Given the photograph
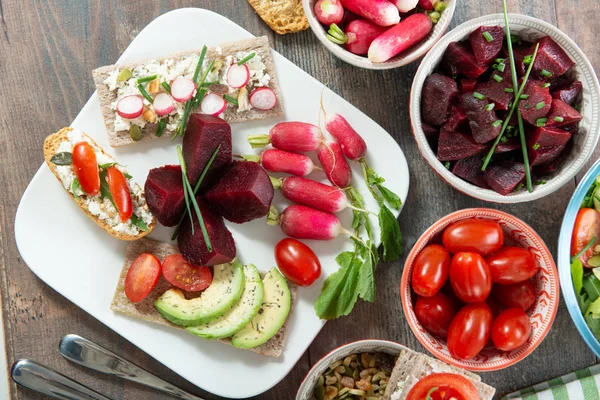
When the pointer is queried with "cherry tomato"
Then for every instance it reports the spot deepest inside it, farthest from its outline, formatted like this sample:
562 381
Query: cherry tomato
435 313
587 226
470 277
142 276
511 265
470 330
85 168
480 236
520 295
189 277
443 386
430 270
119 189
511 329
297 262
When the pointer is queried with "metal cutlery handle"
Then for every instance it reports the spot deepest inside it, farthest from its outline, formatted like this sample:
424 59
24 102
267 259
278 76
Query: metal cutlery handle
34 376
84 352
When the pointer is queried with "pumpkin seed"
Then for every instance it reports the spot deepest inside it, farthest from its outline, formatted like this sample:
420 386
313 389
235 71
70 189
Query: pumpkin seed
135 132
124 75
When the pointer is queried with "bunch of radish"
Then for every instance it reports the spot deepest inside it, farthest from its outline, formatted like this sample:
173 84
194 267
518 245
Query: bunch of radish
379 29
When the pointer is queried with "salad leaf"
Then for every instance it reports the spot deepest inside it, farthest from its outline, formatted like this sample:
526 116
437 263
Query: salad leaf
366 279
336 299
391 237
583 301
76 187
392 198
591 284
104 189
127 175
594 324
135 220
577 275
588 200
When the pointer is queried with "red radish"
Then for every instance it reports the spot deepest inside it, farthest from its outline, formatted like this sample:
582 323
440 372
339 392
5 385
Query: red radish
312 193
213 104
405 6
399 38
381 12
361 34
303 222
130 107
334 164
182 89
428 5
329 12
353 145
238 75
163 104
263 98
275 160
290 136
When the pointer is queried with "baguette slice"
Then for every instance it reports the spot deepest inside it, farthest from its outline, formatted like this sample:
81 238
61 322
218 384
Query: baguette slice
146 311
231 115
51 144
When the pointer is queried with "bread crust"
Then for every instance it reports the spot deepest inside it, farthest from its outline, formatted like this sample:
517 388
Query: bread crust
51 145
283 16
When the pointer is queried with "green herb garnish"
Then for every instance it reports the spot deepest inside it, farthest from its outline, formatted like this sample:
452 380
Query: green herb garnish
433 389
585 248
230 99
146 79
107 165
559 119
541 122
546 85
541 182
509 90
497 123
490 107
488 36
249 57
478 95
536 146
166 86
135 220
497 77
62 158
447 165
540 105
75 187
336 35
145 93
161 126
545 73
524 96
527 60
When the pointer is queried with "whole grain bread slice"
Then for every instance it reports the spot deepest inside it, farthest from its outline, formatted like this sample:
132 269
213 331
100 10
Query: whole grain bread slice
51 145
121 138
283 16
146 311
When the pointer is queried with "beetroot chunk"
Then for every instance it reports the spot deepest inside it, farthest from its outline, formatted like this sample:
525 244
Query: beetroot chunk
486 51
568 93
244 193
456 121
549 137
552 58
204 133
431 133
438 93
459 59
467 85
504 176
494 92
481 121
456 146
193 246
554 165
537 103
562 114
164 194
543 155
508 146
469 169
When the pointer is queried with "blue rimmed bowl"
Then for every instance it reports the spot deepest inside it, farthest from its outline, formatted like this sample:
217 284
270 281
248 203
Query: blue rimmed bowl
564 258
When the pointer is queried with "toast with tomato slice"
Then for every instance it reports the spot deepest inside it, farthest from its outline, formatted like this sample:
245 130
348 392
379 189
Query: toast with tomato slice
100 208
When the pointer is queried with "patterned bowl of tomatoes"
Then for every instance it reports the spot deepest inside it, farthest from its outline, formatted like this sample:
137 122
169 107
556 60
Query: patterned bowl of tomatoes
480 289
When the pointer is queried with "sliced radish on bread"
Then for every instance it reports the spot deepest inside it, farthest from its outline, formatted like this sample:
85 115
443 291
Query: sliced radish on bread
263 99
213 104
163 104
130 107
238 76
182 89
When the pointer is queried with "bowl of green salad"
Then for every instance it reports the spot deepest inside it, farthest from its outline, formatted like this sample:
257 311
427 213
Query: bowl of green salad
579 258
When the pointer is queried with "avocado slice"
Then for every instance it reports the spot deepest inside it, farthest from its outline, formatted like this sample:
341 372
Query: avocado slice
239 316
222 294
271 316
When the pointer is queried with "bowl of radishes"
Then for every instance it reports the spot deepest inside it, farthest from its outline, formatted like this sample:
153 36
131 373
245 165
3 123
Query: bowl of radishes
379 34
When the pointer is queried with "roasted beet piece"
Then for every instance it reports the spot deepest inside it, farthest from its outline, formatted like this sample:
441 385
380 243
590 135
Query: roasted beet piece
568 93
520 53
193 246
494 92
438 93
562 114
552 58
504 176
204 133
456 146
459 59
244 193
431 133
553 166
537 103
457 121
508 146
548 137
486 51
164 194
467 85
469 169
543 155
481 121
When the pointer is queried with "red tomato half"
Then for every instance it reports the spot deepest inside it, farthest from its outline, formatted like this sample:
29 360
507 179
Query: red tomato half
119 189
179 273
85 168
480 236
511 329
587 226
443 386
469 331
430 270
470 277
511 265
520 295
435 313
142 276
297 262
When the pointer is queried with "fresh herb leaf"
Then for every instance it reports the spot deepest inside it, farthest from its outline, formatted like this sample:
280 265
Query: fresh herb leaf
594 324
230 99
75 187
433 389
591 285
107 165
247 58
127 175
135 220
338 294
585 248
62 158
366 279
104 189
391 237
392 198
577 275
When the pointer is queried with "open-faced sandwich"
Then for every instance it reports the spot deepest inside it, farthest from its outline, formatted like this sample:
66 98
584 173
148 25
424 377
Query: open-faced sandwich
153 98
98 184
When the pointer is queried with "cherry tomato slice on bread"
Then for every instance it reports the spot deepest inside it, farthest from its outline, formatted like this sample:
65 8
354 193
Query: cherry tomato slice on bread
430 270
480 236
180 273
142 277
297 262
587 227
511 265
511 329
443 386
119 190
85 168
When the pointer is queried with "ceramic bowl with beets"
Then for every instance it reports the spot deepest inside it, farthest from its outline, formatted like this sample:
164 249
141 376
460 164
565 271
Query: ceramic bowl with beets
466 120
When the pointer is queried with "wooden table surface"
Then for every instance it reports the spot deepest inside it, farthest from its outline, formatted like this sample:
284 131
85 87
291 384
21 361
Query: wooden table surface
47 52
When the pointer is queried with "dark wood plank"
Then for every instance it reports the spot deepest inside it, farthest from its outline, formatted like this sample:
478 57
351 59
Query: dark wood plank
55 44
